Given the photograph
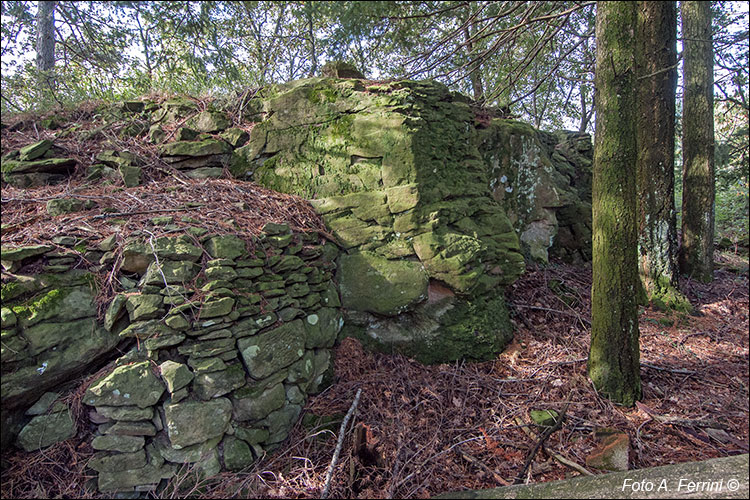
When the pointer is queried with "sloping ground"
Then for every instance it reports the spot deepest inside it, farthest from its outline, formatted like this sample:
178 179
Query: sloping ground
425 430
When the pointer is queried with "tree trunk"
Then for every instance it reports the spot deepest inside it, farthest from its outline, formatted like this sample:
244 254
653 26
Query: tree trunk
696 253
614 364
656 59
45 36
475 71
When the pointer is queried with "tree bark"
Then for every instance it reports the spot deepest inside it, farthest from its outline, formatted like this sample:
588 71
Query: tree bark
45 36
656 59
696 252
614 355
45 53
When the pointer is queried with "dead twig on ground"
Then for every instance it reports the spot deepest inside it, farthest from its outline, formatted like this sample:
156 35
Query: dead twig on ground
340 443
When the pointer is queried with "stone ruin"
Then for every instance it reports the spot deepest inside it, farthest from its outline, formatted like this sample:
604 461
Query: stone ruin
433 212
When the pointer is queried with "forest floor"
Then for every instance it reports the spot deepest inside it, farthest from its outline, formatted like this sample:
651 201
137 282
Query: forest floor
423 430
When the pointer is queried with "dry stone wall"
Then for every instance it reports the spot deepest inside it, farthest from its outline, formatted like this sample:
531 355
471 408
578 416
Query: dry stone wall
231 338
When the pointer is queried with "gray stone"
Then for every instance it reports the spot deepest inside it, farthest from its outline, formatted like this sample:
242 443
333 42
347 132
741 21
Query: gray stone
128 479
251 435
148 329
200 365
126 413
46 430
215 384
187 454
143 428
127 385
116 462
237 453
142 307
210 122
208 348
322 327
163 340
170 273
175 375
271 351
192 422
8 318
115 311
252 404
43 404
280 422
125 444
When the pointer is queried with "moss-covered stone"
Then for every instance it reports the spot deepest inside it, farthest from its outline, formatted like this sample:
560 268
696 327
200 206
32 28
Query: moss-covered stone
213 384
253 403
226 247
217 308
175 375
116 462
322 327
126 480
60 206
273 350
34 151
131 429
142 307
199 148
371 283
45 430
126 413
192 422
127 385
209 121
237 453
169 273
124 444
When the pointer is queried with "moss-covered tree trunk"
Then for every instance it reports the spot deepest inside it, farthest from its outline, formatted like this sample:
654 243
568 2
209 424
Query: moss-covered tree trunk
696 252
656 58
613 363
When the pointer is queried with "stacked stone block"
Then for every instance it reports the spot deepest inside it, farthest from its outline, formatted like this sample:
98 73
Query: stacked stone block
229 352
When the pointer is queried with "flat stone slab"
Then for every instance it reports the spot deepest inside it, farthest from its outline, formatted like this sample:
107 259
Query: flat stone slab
725 477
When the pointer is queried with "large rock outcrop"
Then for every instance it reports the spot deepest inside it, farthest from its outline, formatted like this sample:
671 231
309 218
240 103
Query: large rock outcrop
543 181
395 173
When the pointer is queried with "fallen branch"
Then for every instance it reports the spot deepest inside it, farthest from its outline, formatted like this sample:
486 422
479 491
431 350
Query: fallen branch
339 444
540 443
566 313
670 370
141 212
500 479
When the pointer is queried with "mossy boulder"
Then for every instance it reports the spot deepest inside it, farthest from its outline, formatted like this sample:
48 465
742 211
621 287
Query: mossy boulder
60 206
543 180
34 151
389 167
374 284
209 122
